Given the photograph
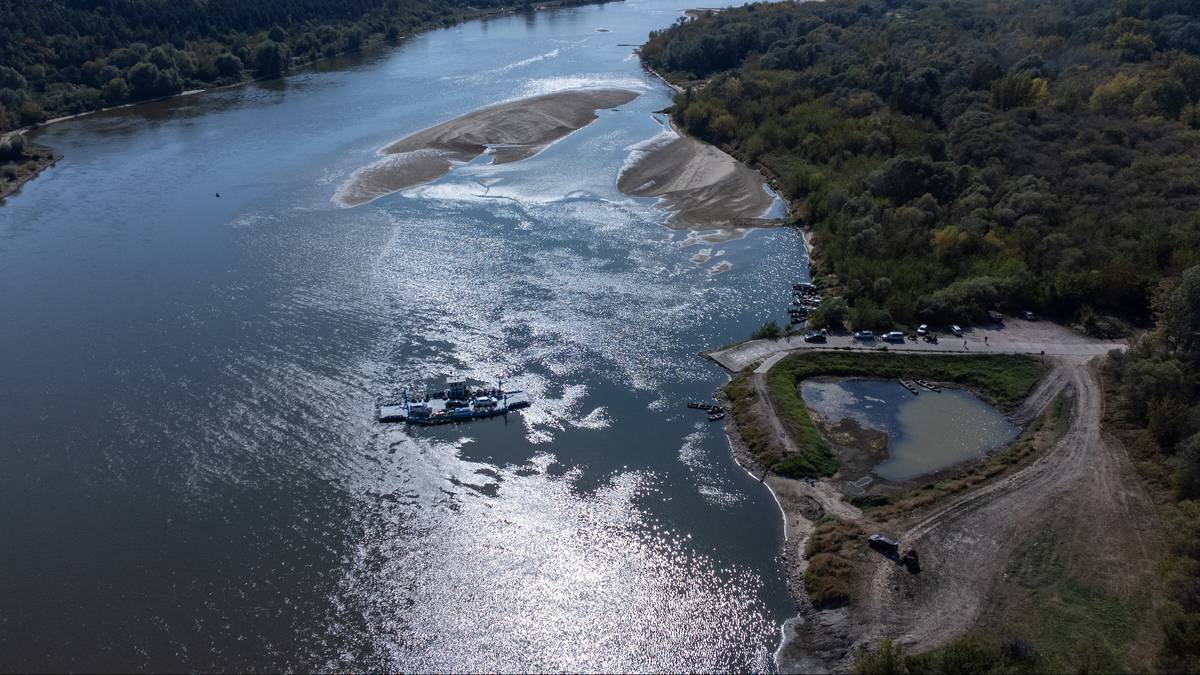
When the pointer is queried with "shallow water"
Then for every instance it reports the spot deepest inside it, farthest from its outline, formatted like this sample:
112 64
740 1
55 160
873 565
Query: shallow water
926 433
193 479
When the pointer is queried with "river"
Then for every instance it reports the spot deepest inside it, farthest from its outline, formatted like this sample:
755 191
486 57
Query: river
192 475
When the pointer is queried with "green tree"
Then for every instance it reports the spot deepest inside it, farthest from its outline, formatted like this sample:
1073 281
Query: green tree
831 313
115 91
228 65
31 113
143 78
1017 90
1179 315
270 59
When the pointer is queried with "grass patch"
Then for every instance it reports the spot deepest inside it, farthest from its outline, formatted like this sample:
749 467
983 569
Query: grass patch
1005 379
1059 621
815 457
832 575
969 654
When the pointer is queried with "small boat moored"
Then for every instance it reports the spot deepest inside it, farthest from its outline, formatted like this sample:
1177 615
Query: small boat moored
930 387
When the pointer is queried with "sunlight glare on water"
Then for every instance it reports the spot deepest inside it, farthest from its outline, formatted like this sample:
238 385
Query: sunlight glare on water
221 477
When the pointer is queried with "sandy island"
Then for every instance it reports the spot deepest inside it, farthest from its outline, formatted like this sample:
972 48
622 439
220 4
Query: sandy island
510 131
699 184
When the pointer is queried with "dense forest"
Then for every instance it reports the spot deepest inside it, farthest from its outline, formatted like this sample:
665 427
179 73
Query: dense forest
59 57
957 156
1156 401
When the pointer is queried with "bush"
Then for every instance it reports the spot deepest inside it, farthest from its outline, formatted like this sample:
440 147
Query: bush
12 148
866 315
831 313
969 656
885 659
769 330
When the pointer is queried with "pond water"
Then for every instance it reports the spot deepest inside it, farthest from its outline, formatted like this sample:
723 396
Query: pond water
193 476
926 433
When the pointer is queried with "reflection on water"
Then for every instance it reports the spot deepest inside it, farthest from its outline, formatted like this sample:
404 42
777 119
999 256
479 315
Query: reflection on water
926 433
192 472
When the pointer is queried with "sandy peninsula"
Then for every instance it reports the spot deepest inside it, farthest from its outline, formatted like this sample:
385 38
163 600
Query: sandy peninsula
509 131
700 185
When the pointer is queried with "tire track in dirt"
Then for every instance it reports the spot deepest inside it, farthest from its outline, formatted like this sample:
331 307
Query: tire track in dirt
965 546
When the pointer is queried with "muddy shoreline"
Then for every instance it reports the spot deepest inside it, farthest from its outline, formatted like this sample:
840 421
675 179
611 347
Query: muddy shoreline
815 640
697 183
30 170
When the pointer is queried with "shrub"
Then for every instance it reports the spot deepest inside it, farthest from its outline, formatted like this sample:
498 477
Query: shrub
769 330
885 659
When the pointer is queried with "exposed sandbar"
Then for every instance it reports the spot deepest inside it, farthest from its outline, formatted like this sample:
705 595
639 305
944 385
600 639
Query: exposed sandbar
696 182
512 131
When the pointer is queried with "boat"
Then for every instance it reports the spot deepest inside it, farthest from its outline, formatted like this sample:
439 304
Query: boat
698 405
457 403
909 386
714 416
930 387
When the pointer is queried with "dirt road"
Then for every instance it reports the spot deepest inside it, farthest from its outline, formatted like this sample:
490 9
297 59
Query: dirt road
1015 337
1082 486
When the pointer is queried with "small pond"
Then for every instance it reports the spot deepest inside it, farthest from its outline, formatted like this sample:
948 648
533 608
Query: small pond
926 433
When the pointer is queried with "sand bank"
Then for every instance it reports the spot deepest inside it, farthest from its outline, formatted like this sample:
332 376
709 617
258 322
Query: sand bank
696 182
509 131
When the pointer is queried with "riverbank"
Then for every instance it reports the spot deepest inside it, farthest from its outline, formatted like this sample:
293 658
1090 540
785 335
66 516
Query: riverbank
373 41
823 634
699 184
15 175
509 131
850 598
825 557
795 208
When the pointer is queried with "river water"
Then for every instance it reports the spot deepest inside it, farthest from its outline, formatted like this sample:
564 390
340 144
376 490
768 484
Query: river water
192 475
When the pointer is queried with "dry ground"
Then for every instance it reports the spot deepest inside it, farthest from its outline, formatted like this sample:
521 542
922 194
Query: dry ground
1081 495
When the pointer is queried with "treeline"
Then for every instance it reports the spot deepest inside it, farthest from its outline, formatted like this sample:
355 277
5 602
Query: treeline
1156 399
60 57
956 157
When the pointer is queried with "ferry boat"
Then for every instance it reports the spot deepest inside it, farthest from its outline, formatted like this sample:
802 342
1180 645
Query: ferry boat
456 403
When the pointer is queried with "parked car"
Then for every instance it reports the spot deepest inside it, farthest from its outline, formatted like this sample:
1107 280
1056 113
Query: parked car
995 316
956 329
814 336
1030 316
864 335
923 330
893 336
882 543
